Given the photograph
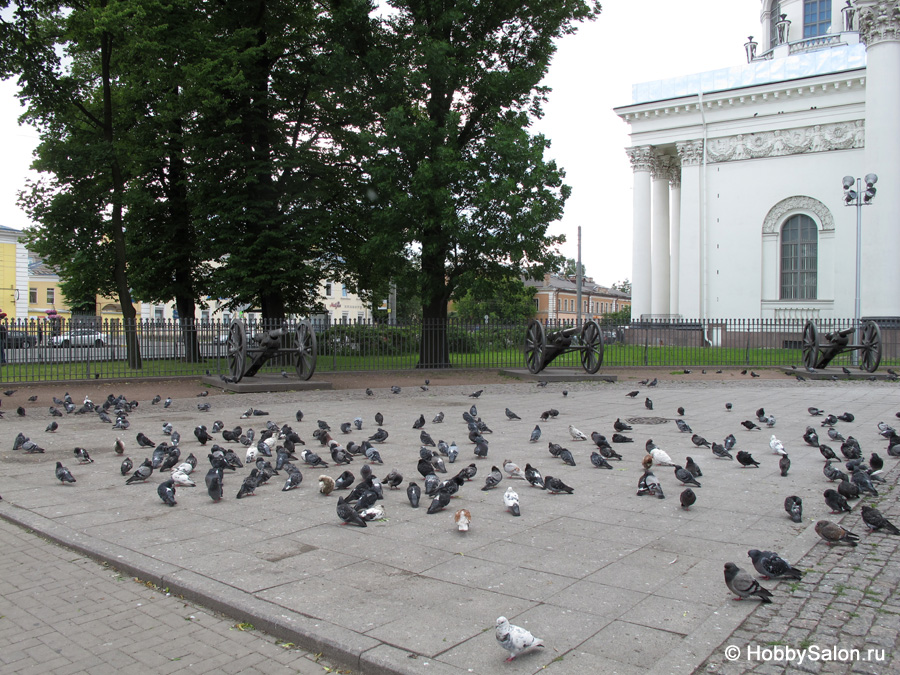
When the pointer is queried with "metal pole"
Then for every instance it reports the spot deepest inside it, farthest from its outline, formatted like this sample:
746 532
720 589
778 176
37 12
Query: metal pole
578 280
854 357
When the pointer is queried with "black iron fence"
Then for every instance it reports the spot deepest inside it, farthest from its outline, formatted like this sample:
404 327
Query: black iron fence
89 348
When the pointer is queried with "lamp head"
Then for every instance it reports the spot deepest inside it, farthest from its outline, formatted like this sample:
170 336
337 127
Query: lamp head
848 182
871 179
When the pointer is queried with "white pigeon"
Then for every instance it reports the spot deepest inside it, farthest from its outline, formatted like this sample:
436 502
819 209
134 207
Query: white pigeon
661 457
577 435
513 469
511 499
777 446
515 639
270 442
375 512
251 455
184 467
182 479
463 518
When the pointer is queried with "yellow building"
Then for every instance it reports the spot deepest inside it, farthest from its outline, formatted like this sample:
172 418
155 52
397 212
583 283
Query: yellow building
556 298
13 274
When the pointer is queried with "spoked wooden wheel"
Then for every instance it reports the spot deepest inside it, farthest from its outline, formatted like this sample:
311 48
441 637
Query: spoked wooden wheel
591 347
810 345
535 346
305 350
237 349
870 347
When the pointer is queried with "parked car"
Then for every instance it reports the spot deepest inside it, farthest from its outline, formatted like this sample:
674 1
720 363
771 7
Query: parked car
80 337
16 339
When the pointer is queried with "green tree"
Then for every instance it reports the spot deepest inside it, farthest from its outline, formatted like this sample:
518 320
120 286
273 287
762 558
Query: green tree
569 268
457 176
504 301
624 286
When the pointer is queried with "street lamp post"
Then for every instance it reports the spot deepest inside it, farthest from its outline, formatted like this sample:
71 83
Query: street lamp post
858 198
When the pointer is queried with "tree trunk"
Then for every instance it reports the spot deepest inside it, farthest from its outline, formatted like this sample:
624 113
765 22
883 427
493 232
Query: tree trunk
129 314
188 325
434 349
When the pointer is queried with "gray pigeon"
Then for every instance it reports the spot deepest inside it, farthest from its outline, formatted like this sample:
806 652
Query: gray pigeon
493 478
166 492
685 476
743 585
794 506
772 566
63 474
874 520
535 434
511 415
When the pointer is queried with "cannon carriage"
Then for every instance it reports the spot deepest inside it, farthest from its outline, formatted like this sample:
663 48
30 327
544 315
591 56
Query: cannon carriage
543 346
247 354
817 356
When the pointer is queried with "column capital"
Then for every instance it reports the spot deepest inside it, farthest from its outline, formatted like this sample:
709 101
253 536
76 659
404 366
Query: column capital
690 152
641 157
878 20
661 166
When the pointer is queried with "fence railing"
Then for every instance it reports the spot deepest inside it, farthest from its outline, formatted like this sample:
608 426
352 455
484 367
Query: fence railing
32 351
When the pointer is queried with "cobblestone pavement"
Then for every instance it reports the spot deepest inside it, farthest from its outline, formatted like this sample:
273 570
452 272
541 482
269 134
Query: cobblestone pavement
845 612
62 612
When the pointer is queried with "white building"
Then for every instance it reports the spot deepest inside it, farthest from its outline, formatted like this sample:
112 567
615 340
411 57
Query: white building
738 200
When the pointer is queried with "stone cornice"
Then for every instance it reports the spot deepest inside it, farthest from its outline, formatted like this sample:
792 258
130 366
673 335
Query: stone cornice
816 138
691 152
879 21
776 214
641 157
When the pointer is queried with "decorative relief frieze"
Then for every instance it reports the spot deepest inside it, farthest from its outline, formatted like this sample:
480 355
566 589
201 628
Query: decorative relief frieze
879 21
818 138
691 152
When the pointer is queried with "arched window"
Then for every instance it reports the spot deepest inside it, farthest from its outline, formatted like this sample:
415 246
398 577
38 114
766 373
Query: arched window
816 17
774 16
799 258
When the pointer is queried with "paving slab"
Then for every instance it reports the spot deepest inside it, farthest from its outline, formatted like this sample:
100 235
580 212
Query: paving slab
604 576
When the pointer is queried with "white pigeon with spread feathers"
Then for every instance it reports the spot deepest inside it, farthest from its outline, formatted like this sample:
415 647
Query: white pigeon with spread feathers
777 446
576 434
661 457
515 639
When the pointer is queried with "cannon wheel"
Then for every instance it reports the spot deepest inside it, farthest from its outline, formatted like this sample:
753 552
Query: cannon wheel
237 349
870 346
810 345
591 347
535 346
305 347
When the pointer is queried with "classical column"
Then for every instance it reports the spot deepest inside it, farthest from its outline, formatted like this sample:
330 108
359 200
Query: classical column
689 267
640 262
674 232
659 244
879 28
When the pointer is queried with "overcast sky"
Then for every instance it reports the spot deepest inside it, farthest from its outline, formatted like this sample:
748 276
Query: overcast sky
632 41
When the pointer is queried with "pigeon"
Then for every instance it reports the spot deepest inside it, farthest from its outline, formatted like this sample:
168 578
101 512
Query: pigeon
730 442
53 426
576 434
83 456
683 427
749 425
476 394
167 403
874 520
777 446
772 566
348 514
326 485
815 412
794 506
829 421
126 466
369 392
746 459
699 441
680 411
493 479
533 476
832 473
827 452
833 533
380 436
693 467
144 442
510 415
619 425
619 438
214 484
468 472
555 486
599 461
688 498
156 399
462 518
566 457
848 490
419 423
440 502
685 476
728 407
166 492
413 493
835 435
515 639
661 457
535 434
426 439
511 500
63 474
836 502
142 473
54 412
743 585
864 482
438 419
632 394
784 464
512 469
251 482
648 404
20 411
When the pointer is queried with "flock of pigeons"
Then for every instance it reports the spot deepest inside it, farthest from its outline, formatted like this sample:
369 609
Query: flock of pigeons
279 450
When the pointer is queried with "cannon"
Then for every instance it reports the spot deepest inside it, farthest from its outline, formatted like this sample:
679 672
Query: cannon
246 355
542 346
817 355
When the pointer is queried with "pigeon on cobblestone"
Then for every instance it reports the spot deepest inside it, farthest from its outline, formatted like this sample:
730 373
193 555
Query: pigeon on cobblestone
772 566
743 585
515 639
833 533
874 520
